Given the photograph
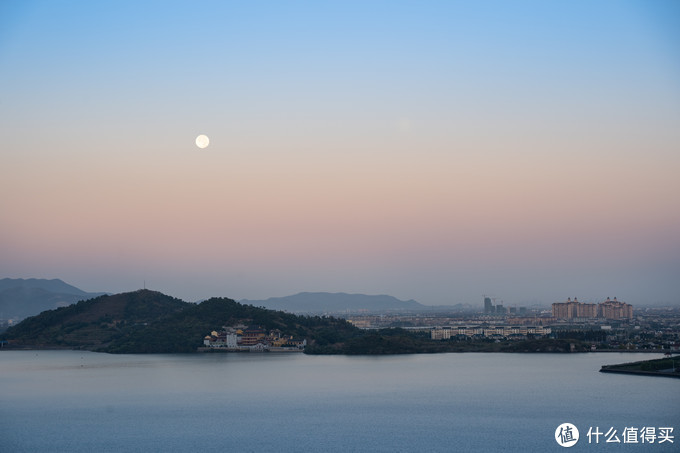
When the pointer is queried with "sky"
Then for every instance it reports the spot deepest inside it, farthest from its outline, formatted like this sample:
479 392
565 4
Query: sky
429 150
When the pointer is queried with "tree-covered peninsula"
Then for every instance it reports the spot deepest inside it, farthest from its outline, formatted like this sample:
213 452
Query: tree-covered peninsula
151 322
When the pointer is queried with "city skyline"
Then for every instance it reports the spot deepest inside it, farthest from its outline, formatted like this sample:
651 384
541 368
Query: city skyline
434 151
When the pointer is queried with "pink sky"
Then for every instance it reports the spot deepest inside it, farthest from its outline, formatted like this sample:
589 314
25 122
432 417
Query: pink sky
430 161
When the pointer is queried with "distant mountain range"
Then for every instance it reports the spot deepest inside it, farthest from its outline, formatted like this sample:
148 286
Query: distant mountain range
335 303
21 298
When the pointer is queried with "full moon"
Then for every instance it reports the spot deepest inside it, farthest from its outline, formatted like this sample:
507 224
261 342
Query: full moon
202 141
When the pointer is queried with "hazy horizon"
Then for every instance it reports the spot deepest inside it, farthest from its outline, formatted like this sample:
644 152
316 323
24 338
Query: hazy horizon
434 151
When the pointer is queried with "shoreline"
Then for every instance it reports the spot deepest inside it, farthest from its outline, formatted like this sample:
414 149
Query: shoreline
664 367
203 350
606 369
270 349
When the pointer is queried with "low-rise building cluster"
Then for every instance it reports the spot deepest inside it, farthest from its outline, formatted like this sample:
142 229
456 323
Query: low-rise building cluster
252 338
494 332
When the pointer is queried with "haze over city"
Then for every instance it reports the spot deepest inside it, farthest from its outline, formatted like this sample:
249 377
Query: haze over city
434 151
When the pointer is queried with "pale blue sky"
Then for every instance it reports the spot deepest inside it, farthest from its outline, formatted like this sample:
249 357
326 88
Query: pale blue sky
428 150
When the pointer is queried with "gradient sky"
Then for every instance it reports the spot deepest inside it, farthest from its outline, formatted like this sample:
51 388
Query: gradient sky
429 150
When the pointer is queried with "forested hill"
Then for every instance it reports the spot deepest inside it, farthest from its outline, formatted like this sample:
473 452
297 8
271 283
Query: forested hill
95 323
151 322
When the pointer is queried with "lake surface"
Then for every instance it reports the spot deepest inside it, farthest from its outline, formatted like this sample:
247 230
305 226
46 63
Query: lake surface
74 401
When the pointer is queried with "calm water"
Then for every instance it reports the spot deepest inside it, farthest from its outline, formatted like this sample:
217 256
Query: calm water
78 401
